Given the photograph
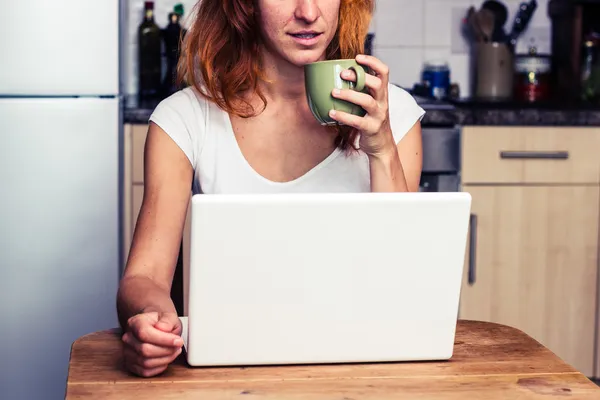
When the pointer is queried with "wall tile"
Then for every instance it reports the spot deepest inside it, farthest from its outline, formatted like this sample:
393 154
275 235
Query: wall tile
399 23
436 54
460 73
405 64
407 33
438 20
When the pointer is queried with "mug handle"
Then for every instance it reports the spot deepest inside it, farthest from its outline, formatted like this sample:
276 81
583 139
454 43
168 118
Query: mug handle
360 77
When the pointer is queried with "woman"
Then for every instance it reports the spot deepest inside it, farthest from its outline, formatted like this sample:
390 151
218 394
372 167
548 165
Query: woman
244 125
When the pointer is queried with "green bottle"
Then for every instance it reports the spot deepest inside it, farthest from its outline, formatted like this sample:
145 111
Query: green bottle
173 36
149 55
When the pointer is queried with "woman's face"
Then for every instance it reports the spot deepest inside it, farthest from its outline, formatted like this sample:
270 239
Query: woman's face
298 31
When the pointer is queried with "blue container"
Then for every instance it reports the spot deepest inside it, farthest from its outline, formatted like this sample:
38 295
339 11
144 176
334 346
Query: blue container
436 79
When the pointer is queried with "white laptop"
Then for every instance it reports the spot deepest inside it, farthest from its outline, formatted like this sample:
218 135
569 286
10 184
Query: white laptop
324 278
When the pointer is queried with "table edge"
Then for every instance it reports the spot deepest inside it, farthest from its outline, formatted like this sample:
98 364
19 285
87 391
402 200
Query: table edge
118 331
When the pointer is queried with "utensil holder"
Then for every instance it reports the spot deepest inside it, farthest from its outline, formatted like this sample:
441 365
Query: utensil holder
494 71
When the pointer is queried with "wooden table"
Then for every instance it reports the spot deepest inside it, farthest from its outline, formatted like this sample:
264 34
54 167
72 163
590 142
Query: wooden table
490 361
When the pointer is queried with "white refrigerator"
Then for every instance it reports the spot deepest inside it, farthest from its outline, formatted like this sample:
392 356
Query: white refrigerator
60 173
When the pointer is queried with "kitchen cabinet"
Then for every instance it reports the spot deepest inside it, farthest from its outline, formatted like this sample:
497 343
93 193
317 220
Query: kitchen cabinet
532 255
133 194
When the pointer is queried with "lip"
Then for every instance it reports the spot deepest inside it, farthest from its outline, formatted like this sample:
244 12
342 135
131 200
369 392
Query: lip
306 41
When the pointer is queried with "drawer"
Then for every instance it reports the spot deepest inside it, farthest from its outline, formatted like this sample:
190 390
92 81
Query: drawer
535 155
138 140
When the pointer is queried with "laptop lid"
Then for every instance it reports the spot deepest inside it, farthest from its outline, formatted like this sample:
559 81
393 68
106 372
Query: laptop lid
325 278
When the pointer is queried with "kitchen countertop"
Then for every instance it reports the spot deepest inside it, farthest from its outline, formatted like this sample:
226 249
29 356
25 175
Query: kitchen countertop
471 112
135 112
461 112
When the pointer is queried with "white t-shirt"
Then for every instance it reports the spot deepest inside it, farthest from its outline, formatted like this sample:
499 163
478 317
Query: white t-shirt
204 133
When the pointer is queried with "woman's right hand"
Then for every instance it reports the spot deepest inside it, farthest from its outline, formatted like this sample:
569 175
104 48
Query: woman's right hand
151 342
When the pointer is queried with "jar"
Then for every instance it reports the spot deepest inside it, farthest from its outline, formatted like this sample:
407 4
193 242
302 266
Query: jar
532 77
436 79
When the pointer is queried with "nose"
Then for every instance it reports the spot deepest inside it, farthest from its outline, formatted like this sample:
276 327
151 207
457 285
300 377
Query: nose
307 11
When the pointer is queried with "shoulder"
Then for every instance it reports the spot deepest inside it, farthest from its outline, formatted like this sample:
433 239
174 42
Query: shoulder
404 111
399 96
181 116
182 102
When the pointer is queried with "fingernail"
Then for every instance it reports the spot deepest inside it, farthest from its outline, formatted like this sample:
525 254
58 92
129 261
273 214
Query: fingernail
332 113
360 57
177 342
336 92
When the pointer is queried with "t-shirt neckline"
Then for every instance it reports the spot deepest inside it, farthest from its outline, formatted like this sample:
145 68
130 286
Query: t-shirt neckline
231 135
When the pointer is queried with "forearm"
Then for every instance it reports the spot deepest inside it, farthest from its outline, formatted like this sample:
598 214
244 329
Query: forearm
387 174
140 294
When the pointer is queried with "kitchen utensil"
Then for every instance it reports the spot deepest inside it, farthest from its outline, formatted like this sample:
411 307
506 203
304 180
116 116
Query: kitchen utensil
473 25
500 16
522 19
485 20
499 10
494 71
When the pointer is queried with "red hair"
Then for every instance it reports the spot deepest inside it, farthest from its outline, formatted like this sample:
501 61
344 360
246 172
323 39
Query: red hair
220 55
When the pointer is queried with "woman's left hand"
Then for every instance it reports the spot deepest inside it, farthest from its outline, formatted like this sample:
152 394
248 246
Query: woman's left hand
376 137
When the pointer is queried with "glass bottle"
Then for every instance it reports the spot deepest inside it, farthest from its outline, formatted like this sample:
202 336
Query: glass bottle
590 69
149 55
173 36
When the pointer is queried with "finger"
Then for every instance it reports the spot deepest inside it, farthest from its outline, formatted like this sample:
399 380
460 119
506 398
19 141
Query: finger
146 366
376 65
169 322
372 82
133 364
152 363
360 123
146 333
364 100
147 350
349 75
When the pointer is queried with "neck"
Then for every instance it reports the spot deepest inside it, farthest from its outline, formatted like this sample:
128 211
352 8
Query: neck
284 79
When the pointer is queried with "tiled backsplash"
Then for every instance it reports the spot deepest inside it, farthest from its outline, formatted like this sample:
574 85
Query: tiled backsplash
407 34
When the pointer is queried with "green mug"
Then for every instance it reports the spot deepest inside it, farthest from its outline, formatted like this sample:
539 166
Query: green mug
320 78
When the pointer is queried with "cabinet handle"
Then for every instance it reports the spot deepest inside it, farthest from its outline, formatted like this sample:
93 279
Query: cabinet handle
535 155
472 248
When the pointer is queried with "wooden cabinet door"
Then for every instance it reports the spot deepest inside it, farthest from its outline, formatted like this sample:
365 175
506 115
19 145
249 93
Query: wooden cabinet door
534 265
137 197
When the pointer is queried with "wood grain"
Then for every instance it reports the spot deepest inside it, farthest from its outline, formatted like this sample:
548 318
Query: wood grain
482 146
490 387
139 133
490 360
127 190
536 265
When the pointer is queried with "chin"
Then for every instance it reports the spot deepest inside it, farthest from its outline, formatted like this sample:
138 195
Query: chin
301 58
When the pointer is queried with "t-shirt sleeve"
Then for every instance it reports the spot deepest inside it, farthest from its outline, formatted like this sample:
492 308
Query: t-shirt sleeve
403 110
180 116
